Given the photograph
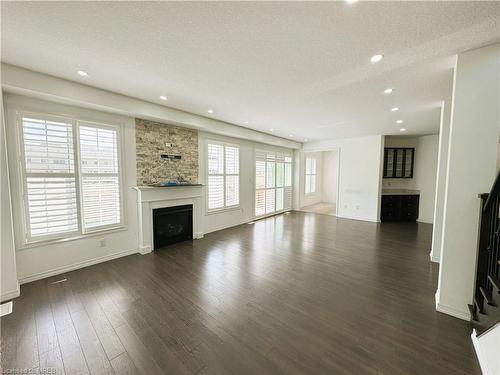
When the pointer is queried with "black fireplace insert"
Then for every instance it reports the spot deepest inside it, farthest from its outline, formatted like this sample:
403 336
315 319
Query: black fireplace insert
172 225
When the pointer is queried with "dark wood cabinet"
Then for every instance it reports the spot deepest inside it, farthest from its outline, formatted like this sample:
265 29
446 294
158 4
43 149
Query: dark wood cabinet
399 207
398 162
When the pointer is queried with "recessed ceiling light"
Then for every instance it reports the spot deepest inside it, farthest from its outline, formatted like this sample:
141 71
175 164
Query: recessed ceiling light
402 130
376 58
388 91
245 122
290 135
399 121
351 1
163 97
82 73
305 139
210 111
271 130
395 109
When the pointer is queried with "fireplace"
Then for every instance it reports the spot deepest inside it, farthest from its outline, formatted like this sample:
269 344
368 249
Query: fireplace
172 225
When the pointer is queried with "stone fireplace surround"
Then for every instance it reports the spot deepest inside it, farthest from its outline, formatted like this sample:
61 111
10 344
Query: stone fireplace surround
150 198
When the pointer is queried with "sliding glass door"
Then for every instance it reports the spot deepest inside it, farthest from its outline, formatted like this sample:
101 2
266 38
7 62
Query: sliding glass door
273 182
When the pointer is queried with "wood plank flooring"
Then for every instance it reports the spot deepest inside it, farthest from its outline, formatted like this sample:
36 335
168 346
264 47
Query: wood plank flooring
301 293
321 208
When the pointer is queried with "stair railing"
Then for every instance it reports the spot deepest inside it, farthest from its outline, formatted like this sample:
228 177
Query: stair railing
488 255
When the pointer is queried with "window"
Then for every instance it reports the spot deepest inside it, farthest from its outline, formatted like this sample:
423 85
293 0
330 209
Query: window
70 176
273 182
223 176
310 182
100 178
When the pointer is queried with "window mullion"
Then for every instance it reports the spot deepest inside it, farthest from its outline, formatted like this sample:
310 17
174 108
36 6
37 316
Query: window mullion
78 184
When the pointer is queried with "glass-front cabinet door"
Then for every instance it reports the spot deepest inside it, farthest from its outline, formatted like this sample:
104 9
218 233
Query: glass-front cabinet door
398 162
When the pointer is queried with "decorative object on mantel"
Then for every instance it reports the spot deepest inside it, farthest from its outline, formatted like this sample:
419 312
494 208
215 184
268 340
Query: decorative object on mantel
165 153
170 157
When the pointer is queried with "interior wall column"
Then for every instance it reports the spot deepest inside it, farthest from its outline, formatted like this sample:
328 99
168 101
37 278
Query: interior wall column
471 168
9 282
444 136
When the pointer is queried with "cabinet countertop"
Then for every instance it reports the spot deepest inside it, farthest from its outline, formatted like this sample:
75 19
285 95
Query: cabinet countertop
400 192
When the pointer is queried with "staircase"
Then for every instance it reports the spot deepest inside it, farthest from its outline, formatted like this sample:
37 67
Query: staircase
485 309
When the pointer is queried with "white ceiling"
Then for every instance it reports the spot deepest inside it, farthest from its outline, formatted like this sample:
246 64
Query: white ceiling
301 68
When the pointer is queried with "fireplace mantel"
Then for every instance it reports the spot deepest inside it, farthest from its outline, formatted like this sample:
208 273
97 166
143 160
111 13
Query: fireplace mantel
151 197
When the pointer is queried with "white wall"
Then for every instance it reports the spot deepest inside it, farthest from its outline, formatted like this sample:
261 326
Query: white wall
487 349
311 198
62 96
213 221
360 175
45 260
401 183
424 172
444 135
472 155
330 177
27 82
9 283
425 175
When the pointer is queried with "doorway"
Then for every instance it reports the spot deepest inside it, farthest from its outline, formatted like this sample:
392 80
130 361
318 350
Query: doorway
319 182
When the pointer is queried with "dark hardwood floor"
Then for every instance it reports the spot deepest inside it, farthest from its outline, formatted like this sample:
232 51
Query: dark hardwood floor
295 294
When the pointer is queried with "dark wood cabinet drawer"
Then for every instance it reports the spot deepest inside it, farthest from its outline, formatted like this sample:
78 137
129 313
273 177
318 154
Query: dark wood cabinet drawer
399 207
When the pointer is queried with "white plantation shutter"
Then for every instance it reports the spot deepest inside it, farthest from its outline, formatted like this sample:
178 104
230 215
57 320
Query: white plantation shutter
273 182
215 192
310 180
215 159
260 202
232 189
61 199
50 180
279 199
232 162
100 178
223 176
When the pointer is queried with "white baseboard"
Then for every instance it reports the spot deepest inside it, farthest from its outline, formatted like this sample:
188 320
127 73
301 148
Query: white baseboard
74 266
460 314
480 357
359 218
487 348
434 259
145 250
11 294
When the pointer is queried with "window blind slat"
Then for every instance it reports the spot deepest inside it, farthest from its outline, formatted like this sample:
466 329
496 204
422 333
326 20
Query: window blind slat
49 177
273 182
215 192
52 201
61 205
223 175
100 181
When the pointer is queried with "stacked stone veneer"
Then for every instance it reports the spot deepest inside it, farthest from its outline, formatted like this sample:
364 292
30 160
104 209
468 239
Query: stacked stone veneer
151 139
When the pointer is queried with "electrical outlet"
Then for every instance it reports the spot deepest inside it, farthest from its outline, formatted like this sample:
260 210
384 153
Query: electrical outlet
168 144
102 243
357 207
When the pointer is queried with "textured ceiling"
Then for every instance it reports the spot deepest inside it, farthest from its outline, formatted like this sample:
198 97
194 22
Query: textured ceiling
301 68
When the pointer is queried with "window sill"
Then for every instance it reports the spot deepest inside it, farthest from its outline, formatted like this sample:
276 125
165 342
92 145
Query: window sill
222 210
52 241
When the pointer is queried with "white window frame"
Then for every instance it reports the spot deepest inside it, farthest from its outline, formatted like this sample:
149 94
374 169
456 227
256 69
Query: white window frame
275 160
116 128
311 175
224 174
27 241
